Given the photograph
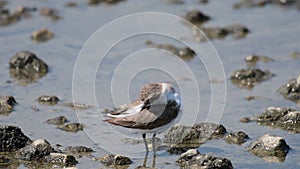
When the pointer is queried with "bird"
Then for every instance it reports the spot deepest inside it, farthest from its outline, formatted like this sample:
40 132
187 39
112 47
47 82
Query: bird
157 108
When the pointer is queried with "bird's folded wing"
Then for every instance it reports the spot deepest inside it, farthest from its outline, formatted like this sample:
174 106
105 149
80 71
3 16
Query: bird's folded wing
127 110
138 120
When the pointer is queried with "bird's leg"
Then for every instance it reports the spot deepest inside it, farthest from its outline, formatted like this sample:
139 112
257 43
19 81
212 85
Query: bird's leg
147 150
154 151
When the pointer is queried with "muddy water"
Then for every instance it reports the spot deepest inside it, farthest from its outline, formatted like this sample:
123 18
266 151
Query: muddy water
273 32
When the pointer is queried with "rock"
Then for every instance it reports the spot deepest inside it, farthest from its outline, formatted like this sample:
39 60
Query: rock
25 67
71 4
41 152
249 98
179 149
193 159
8 161
42 35
61 159
203 1
12 138
77 106
50 13
96 2
245 120
186 156
203 34
252 60
4 162
142 167
295 55
180 138
71 127
262 3
60 120
284 118
23 12
35 151
237 31
3 3
248 78
291 90
175 2
7 17
196 17
178 133
112 160
107 159
121 160
184 53
186 136
79 150
239 137
210 130
7 104
49 100
269 146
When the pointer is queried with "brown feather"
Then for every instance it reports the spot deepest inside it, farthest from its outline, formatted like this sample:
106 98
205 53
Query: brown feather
146 119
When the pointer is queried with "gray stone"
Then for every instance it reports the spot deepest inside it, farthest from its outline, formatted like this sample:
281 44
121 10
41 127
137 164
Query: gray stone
197 134
8 17
25 67
42 35
291 90
121 160
12 138
189 154
248 78
185 53
238 137
252 60
107 159
180 138
41 152
37 150
270 146
113 160
50 13
71 127
48 100
196 17
60 120
203 34
262 3
7 104
109 2
237 31
61 159
77 106
193 159
284 118
79 150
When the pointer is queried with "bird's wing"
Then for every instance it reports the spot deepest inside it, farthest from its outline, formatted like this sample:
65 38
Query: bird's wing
146 119
137 120
128 110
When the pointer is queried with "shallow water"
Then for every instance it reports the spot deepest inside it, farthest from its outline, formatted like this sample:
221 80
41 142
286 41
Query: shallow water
273 32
